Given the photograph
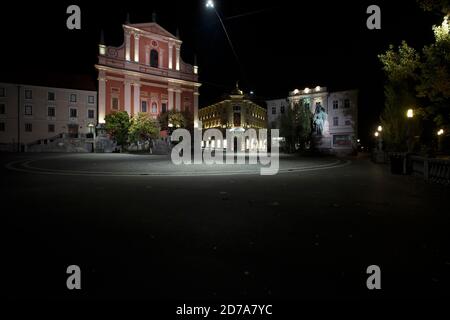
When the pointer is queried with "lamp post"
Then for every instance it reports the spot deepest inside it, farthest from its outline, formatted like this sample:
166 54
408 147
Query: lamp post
440 133
409 116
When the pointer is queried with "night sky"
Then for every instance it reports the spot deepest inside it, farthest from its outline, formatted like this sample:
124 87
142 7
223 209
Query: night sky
281 45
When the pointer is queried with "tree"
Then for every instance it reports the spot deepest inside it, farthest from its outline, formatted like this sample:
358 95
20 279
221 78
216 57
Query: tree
401 68
418 81
143 127
296 126
117 125
288 128
175 118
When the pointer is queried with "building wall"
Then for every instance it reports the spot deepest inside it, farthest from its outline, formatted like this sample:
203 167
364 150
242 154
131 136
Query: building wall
275 108
39 118
340 130
343 107
129 68
223 114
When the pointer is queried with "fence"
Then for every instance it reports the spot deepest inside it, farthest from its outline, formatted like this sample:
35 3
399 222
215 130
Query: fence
435 170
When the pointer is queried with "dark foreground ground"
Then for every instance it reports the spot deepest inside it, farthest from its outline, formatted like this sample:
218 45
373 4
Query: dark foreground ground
296 235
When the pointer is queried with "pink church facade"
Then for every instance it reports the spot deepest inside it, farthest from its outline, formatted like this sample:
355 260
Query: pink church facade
146 74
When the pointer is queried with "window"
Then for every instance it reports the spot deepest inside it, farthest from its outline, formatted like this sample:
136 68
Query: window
73 97
154 107
50 96
73 113
164 107
346 103
91 114
336 121
335 104
2 126
2 108
51 112
282 109
342 140
143 106
28 127
28 110
51 128
28 94
115 103
2 92
274 110
348 123
91 99
237 108
154 58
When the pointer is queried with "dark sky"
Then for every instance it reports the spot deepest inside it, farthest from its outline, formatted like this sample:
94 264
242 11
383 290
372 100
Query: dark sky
281 45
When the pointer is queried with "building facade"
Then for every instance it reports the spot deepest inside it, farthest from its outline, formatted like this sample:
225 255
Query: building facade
235 114
146 74
275 108
31 113
334 116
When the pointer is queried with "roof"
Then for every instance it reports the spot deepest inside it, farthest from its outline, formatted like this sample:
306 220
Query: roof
152 27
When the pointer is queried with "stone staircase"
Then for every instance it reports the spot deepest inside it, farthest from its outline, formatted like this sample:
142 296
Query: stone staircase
62 143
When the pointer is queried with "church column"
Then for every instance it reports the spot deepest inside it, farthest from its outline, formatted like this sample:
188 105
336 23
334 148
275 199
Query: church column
170 55
137 97
127 46
196 94
178 58
128 96
136 47
170 92
178 100
101 97
161 58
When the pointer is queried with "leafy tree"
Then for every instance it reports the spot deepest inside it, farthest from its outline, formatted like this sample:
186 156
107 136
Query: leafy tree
435 77
175 118
143 127
288 128
117 125
296 126
401 68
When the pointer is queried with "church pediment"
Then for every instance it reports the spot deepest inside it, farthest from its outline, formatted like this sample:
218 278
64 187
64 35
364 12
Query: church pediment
154 28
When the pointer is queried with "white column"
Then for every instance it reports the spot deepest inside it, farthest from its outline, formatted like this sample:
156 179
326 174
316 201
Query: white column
128 96
170 55
161 58
147 55
137 97
101 97
170 92
196 94
178 58
127 46
136 47
178 100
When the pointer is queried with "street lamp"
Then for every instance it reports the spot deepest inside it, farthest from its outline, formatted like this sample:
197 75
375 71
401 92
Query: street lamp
380 128
376 134
410 113
210 4
440 132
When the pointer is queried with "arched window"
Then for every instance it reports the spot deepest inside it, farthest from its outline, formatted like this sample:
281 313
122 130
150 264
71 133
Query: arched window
154 58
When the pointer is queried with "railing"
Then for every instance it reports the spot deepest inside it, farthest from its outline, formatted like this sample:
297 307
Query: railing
186 71
435 170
